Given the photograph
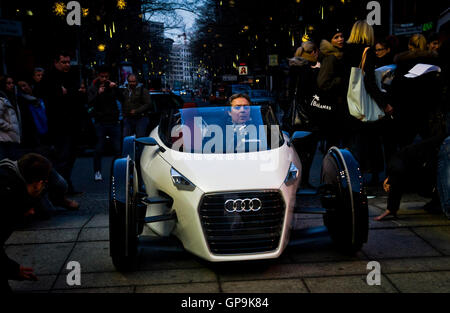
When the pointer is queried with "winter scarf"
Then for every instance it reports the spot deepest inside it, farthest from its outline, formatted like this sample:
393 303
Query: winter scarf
326 48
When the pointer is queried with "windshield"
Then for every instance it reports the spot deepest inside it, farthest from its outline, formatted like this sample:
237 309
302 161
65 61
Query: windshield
218 130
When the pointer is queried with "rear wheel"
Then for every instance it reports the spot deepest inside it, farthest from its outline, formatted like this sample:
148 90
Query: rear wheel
122 215
346 204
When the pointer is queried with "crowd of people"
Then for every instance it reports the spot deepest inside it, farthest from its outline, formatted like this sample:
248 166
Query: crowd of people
35 117
405 141
42 121
42 117
51 111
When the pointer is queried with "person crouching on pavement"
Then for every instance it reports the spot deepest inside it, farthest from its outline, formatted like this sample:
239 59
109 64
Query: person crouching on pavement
21 183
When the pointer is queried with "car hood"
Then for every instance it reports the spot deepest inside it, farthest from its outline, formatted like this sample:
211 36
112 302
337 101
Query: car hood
227 172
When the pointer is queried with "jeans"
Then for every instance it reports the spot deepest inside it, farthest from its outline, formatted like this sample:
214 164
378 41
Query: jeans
103 130
65 155
135 126
443 176
55 193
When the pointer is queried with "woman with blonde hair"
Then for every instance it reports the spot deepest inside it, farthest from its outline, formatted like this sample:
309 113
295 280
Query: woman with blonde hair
417 42
361 38
417 53
362 33
365 141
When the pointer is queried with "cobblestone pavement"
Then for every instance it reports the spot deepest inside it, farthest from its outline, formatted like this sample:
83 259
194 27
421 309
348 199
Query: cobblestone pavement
413 251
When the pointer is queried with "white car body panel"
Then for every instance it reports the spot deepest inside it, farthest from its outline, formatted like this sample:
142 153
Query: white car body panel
255 171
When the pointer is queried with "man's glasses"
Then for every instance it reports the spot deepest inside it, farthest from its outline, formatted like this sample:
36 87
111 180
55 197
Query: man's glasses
380 49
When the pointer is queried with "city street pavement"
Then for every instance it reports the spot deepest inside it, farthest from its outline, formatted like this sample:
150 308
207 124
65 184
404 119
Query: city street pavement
413 251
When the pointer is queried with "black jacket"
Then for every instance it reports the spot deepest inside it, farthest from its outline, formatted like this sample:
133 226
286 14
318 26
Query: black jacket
417 101
408 59
15 202
38 89
302 80
332 80
388 59
105 110
64 112
302 84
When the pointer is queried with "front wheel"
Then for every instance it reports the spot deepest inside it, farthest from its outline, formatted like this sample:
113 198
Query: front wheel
342 195
122 215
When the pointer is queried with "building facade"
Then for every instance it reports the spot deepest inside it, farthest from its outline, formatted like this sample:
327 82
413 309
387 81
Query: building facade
183 73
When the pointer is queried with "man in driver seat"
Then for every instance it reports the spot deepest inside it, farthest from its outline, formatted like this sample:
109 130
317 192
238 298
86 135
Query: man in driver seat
240 108
240 117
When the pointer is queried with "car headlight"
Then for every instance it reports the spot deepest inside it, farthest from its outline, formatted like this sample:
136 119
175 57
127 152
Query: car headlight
179 180
292 173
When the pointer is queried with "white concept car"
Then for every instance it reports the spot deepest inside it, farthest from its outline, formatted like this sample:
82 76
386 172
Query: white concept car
227 191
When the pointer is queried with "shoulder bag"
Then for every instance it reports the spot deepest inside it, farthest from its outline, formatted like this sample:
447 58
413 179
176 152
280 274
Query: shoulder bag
360 104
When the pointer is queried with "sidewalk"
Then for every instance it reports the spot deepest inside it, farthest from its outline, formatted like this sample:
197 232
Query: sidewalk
413 250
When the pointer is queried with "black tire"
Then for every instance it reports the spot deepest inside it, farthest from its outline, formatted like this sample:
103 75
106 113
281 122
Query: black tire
342 195
122 215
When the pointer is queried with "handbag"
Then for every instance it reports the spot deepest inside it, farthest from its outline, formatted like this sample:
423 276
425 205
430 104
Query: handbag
318 108
360 104
299 117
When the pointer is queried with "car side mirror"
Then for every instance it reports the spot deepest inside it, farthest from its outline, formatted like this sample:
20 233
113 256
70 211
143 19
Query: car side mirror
149 141
299 136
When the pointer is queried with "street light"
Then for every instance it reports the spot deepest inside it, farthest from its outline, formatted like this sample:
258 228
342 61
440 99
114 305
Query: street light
121 4
101 47
59 8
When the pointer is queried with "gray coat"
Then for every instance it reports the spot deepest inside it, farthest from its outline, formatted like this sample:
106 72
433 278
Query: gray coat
9 121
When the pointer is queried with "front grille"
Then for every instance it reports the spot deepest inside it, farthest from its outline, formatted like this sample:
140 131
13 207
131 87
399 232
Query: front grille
242 232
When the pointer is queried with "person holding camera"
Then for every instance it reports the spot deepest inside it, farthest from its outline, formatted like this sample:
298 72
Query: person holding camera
102 98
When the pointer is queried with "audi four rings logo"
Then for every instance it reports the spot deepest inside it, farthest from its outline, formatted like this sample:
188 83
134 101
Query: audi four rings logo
243 205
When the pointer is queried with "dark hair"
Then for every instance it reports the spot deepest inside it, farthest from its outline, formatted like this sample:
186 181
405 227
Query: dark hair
384 42
393 43
3 80
60 53
239 95
329 30
34 167
432 37
131 74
